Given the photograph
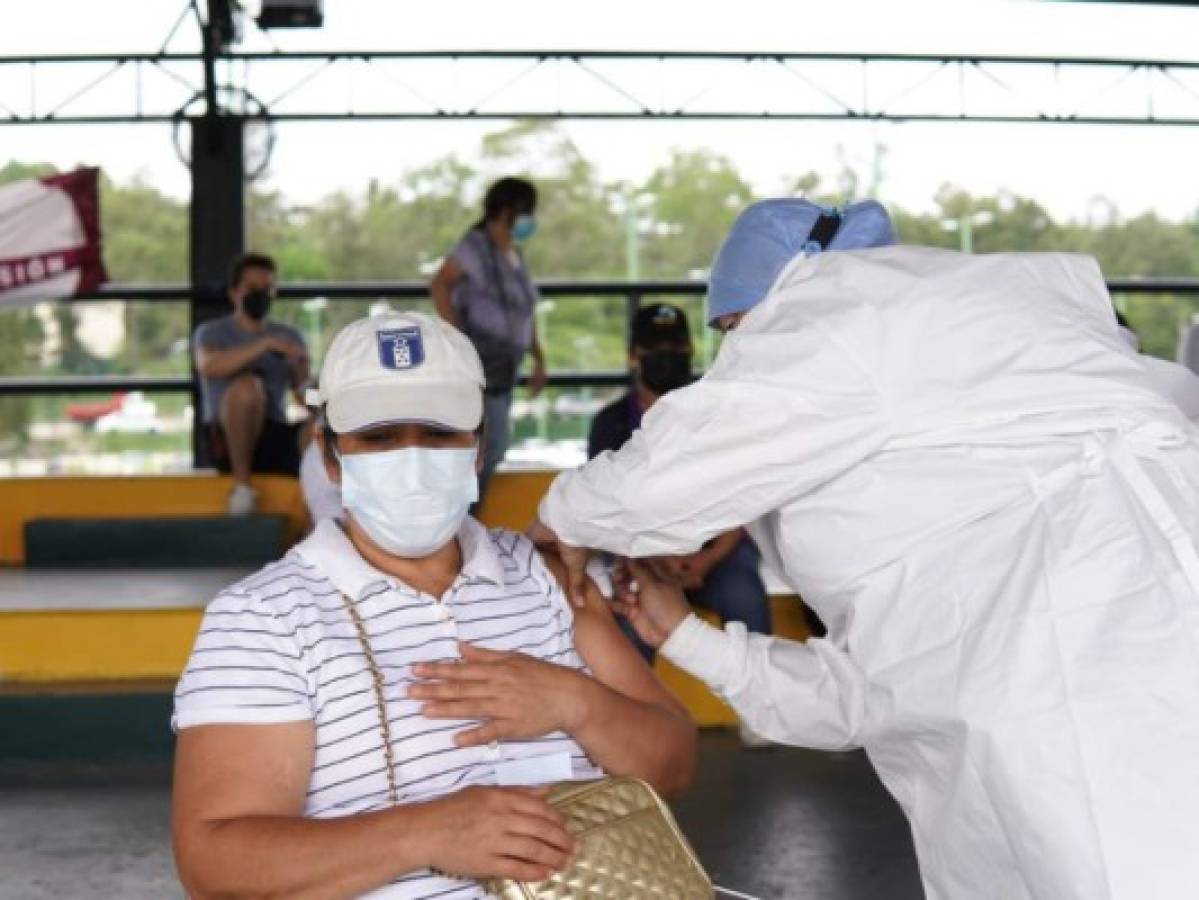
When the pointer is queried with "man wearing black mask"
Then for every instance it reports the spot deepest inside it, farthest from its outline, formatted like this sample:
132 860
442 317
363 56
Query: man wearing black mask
722 576
247 366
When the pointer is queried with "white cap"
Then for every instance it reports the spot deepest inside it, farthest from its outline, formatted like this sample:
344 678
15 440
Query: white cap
401 367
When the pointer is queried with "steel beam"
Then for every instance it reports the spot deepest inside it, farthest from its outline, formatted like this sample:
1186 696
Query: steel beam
597 85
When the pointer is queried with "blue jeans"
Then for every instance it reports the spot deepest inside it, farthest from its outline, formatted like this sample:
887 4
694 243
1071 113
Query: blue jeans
733 590
497 409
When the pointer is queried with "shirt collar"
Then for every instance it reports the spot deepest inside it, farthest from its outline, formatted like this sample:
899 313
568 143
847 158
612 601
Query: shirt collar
331 551
479 558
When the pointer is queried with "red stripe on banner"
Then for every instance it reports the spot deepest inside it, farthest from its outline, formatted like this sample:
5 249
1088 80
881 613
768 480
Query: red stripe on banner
83 188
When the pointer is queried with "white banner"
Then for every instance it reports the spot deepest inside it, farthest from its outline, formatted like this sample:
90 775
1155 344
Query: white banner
50 238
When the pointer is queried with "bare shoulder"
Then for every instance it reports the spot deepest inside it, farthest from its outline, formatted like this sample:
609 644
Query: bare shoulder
235 768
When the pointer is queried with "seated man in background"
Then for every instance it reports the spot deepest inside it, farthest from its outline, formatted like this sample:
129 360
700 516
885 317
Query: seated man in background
723 576
248 365
369 713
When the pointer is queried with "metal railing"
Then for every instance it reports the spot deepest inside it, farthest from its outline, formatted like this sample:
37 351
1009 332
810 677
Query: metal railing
633 293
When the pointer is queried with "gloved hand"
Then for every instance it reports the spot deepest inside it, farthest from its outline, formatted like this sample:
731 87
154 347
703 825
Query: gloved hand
653 606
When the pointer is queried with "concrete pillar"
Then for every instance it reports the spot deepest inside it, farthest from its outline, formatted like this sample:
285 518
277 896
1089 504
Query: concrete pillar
218 229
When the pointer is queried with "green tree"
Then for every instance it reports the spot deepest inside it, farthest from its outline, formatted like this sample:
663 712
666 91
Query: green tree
695 198
145 242
21 337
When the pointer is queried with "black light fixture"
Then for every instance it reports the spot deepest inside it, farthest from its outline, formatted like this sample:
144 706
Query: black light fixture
224 17
291 14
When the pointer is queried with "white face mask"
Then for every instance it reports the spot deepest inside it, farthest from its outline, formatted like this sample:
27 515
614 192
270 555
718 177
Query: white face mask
412 501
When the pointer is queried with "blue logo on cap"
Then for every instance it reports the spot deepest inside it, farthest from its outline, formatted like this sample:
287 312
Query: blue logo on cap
401 348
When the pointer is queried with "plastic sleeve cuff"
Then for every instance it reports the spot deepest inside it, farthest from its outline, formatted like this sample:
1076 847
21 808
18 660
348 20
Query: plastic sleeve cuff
700 649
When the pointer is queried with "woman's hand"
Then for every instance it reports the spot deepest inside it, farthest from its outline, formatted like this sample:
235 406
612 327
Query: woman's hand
654 606
493 832
515 695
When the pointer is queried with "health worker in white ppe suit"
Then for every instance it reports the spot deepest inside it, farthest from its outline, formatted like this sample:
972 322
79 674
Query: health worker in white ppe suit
959 464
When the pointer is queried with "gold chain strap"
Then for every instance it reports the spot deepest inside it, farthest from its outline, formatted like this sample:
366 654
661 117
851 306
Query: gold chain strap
377 678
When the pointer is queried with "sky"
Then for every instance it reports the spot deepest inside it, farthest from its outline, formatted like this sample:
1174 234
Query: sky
1065 167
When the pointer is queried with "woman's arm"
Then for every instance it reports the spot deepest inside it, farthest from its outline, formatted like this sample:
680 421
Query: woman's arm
630 723
440 288
215 363
540 374
238 831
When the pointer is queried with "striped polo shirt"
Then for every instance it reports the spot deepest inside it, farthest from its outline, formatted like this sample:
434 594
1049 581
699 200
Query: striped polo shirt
280 646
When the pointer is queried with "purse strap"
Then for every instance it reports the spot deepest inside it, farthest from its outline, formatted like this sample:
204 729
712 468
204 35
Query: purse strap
380 701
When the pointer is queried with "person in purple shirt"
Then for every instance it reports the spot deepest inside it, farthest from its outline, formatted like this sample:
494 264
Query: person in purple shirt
484 289
722 576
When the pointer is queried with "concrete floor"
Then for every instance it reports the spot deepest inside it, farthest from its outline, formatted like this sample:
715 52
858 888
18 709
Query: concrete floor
774 824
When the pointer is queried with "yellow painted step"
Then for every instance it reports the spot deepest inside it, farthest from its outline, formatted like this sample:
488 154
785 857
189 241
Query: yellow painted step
511 502
64 646
96 645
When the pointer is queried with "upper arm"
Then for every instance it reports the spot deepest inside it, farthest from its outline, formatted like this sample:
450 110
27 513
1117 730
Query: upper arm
608 653
447 273
202 347
227 771
203 357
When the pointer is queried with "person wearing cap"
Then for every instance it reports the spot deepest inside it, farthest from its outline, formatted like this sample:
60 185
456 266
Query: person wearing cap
484 288
957 462
723 575
372 714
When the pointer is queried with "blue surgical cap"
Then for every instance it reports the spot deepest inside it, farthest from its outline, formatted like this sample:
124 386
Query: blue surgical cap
771 233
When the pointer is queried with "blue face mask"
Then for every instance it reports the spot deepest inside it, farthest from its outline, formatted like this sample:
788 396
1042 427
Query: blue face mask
524 227
411 502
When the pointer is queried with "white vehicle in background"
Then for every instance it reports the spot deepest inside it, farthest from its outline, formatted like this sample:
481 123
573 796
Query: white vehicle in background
579 405
136 415
539 453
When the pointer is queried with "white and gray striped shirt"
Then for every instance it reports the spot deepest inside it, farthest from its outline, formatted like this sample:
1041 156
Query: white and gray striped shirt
279 646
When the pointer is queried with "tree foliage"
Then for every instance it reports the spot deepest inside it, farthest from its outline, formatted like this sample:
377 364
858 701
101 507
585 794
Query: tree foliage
667 226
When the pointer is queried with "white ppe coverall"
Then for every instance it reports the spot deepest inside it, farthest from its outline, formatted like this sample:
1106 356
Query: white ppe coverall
958 463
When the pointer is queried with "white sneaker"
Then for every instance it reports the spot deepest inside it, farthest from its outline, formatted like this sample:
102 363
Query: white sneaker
242 500
751 740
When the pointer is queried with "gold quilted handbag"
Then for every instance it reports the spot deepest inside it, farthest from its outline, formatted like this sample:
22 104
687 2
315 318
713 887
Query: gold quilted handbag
630 848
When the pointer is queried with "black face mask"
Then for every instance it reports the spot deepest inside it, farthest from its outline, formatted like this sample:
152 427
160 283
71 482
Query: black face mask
662 371
256 304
